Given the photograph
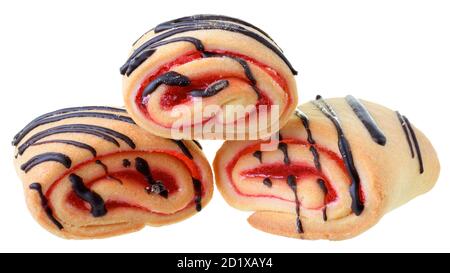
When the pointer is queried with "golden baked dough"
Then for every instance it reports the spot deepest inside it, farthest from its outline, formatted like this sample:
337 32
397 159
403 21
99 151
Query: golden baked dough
341 164
218 61
91 172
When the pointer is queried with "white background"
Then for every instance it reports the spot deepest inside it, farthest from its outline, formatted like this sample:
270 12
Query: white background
55 54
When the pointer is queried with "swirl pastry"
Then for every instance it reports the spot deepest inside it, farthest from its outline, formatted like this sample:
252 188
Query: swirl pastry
91 172
335 172
203 64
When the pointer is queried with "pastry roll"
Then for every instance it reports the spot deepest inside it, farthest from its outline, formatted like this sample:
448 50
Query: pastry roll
91 172
339 166
208 77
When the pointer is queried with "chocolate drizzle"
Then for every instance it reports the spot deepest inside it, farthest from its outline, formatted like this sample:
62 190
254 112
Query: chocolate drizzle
105 169
170 78
347 157
267 182
316 157
126 163
406 131
44 121
284 149
198 144
364 116
324 189
183 148
67 113
96 202
129 67
193 23
41 158
44 203
248 72
102 132
305 121
416 144
211 90
19 136
292 182
205 17
258 155
411 139
173 78
154 186
198 194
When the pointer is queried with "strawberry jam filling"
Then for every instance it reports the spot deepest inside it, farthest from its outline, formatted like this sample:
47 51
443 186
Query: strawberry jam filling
130 176
175 95
282 171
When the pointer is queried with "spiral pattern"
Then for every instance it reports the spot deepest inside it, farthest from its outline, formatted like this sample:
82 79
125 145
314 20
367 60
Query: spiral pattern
204 64
91 172
333 173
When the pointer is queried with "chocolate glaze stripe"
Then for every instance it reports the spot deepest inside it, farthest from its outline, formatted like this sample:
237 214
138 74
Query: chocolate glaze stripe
205 17
201 17
173 78
96 202
211 90
45 157
405 130
267 182
208 26
143 168
44 121
316 157
198 144
324 189
183 148
198 194
305 121
69 142
346 154
170 78
126 163
105 169
258 155
68 110
248 72
416 144
242 62
284 149
44 203
364 116
22 148
102 132
154 186
292 183
136 61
